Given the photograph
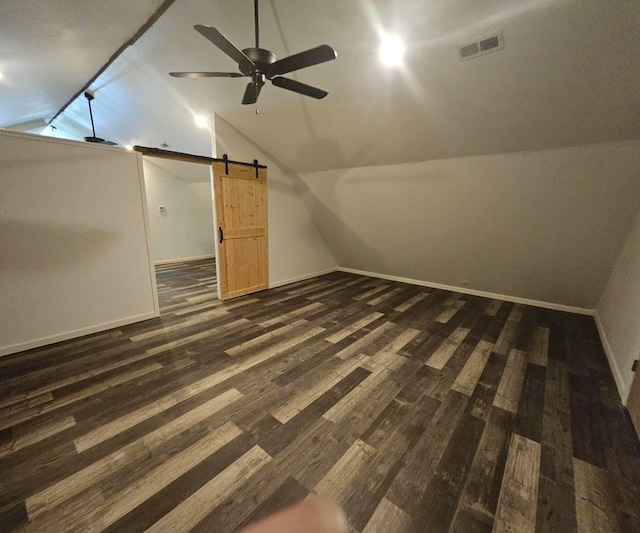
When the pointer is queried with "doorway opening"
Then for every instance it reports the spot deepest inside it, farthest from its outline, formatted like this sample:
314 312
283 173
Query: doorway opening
181 224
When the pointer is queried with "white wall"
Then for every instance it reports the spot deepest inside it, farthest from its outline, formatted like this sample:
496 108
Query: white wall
185 230
545 226
296 249
74 254
618 312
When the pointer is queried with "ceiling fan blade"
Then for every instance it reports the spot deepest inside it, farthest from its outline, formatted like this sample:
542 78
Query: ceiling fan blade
251 93
298 87
225 45
314 56
206 74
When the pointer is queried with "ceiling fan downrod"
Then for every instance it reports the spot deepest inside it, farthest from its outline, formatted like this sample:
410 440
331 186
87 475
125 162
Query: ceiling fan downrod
255 5
93 138
90 97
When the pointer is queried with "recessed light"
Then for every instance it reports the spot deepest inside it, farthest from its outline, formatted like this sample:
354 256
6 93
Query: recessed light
202 121
129 147
392 50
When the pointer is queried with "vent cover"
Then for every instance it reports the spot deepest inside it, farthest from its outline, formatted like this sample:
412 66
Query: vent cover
486 45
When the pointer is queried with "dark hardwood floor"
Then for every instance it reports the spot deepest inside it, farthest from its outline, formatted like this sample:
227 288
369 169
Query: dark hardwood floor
417 409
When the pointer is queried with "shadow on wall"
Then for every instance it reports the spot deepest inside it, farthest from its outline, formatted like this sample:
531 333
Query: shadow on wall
318 150
42 245
332 225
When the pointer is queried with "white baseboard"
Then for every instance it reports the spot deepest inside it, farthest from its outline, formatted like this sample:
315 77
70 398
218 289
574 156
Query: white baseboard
273 285
44 341
623 390
465 290
183 259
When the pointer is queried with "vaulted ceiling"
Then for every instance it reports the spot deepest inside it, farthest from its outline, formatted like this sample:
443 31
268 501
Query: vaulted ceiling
567 76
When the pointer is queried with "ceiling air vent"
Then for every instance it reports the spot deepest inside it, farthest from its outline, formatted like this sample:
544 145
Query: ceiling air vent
483 46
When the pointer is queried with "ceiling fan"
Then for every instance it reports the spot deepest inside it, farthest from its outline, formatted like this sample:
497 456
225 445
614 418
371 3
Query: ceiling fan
261 65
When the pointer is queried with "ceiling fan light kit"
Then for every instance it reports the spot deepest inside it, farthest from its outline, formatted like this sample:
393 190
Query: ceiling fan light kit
261 65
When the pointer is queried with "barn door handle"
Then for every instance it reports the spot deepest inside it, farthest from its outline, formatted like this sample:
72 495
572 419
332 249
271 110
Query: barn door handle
221 234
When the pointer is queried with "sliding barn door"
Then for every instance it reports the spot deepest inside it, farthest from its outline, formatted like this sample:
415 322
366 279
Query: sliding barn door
241 214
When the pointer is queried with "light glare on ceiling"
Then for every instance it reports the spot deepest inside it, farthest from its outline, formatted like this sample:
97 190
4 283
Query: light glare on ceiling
392 50
201 121
129 147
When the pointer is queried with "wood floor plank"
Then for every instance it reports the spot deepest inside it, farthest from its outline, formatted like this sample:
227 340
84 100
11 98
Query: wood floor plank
303 398
519 493
75 378
22 439
556 500
594 509
388 357
292 314
260 339
405 306
539 353
358 346
237 509
323 443
123 423
422 460
510 387
439 504
310 416
466 381
449 312
146 486
337 287
371 292
186 515
476 507
510 332
352 328
493 307
366 401
336 482
187 340
27 401
440 357
385 296
389 517
73 484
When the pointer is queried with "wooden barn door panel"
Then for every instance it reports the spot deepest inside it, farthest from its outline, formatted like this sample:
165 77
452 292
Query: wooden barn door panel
241 214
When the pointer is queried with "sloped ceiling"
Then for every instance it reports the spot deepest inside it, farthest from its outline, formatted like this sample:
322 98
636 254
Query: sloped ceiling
568 76
51 49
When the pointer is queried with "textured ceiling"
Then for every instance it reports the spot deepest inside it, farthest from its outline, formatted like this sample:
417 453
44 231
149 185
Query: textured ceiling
568 75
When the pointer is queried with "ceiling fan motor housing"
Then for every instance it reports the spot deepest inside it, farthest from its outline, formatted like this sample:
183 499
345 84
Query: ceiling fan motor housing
261 57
